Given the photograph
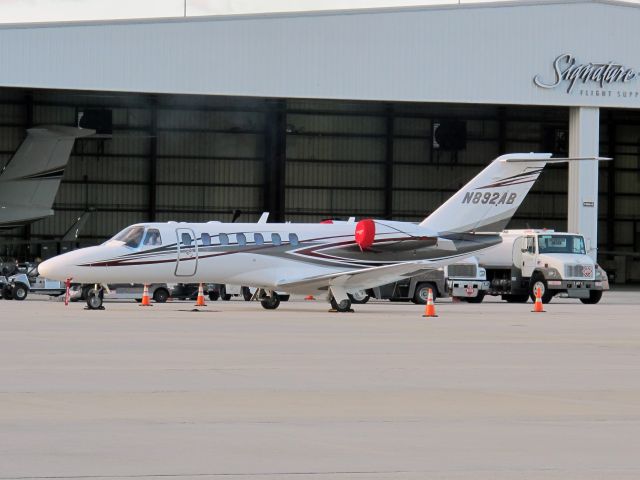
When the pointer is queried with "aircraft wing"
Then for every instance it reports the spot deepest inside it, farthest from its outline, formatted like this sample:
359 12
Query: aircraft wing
364 278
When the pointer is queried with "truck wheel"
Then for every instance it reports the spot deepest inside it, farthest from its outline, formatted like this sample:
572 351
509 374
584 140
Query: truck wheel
270 303
7 292
515 298
594 297
246 294
477 299
360 297
538 281
213 295
161 295
19 291
94 299
343 306
422 293
223 294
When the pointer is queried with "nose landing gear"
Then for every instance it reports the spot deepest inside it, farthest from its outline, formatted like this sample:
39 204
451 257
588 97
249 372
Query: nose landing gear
95 297
269 300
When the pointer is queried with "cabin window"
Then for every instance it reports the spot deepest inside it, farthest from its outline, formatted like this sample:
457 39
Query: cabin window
187 241
206 239
153 237
259 239
131 236
224 239
293 239
275 239
242 240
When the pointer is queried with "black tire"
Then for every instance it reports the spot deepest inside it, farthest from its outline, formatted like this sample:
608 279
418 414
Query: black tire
477 299
270 303
138 300
94 299
161 295
422 292
284 298
7 292
246 294
19 291
359 299
213 295
516 298
224 295
539 281
594 297
343 306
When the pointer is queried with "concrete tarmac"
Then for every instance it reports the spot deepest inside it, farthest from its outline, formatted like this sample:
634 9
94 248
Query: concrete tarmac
487 391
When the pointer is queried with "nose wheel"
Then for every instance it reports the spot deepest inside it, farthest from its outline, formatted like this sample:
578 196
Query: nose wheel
95 297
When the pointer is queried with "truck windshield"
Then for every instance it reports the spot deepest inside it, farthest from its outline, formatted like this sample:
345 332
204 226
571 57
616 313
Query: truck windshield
130 236
561 244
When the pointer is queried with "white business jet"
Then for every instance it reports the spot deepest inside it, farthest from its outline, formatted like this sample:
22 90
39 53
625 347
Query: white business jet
337 259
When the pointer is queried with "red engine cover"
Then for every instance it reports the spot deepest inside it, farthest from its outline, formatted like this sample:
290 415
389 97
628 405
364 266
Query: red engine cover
365 233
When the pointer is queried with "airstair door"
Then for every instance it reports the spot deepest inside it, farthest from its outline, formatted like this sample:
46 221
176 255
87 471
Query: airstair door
187 260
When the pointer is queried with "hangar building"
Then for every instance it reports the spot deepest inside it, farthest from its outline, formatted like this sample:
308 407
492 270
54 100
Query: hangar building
369 113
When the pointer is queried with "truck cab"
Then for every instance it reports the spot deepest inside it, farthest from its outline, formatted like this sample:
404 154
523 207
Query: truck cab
553 262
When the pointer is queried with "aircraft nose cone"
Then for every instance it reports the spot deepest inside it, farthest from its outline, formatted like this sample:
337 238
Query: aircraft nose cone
54 269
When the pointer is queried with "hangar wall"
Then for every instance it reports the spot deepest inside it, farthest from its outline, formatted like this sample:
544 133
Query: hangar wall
199 158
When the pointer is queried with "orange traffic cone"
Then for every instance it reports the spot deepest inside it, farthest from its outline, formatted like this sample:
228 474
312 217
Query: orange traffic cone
430 309
146 301
309 297
537 306
200 299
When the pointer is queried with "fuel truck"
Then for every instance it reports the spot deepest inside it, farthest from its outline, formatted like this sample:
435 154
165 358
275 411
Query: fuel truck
554 262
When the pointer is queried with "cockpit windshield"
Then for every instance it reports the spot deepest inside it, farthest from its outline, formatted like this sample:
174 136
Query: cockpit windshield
561 244
130 236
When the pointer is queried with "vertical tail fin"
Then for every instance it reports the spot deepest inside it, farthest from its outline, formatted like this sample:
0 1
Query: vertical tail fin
490 199
30 180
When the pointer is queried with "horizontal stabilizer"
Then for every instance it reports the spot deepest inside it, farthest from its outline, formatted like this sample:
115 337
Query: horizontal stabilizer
364 278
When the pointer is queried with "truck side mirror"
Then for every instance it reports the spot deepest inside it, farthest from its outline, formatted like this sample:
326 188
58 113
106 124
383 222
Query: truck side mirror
524 250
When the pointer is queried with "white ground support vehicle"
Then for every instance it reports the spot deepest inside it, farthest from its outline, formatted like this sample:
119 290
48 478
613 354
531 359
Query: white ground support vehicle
19 285
554 262
467 281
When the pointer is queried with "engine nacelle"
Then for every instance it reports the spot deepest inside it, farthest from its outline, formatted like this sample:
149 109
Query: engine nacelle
365 233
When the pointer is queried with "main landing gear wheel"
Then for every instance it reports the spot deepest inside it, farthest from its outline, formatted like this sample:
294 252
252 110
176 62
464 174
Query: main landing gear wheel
343 306
360 297
94 299
270 303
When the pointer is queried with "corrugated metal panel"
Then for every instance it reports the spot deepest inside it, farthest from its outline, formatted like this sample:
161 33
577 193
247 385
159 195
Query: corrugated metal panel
195 119
102 196
334 202
234 171
336 148
208 144
209 198
334 175
349 124
120 169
